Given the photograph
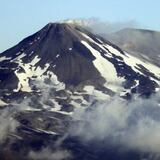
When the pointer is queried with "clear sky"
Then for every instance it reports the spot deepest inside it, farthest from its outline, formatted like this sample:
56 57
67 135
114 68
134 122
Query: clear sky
20 18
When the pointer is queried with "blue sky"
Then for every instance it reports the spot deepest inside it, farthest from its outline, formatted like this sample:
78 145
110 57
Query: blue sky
20 18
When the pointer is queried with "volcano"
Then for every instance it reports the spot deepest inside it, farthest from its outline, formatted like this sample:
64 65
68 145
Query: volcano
75 57
60 68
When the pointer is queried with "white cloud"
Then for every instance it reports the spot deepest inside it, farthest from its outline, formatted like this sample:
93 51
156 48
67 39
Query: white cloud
133 124
47 154
8 124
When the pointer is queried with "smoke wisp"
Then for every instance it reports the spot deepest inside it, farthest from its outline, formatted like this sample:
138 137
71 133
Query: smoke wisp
103 27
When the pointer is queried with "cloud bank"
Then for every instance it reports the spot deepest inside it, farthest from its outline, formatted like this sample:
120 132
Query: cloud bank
134 124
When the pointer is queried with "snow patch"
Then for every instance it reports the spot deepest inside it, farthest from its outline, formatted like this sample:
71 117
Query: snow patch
96 93
4 58
23 84
57 108
99 45
106 69
19 58
2 103
57 55
47 132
